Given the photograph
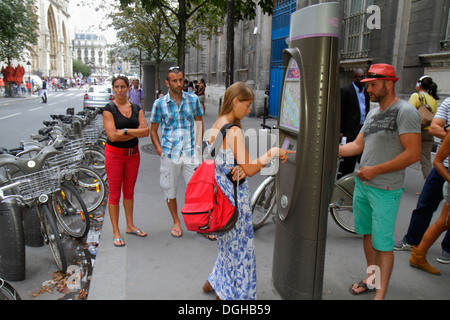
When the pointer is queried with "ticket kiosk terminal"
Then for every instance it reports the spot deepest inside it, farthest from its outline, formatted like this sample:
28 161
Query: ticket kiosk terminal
308 123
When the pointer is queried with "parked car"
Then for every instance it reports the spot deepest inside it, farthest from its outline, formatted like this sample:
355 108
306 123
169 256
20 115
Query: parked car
97 96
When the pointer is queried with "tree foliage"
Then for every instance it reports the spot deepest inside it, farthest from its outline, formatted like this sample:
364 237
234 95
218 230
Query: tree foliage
80 67
138 29
200 15
18 28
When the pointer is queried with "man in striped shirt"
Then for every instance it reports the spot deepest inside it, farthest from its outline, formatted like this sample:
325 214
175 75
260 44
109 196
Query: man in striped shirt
180 116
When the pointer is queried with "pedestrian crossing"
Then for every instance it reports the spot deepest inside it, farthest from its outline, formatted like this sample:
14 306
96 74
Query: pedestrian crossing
56 94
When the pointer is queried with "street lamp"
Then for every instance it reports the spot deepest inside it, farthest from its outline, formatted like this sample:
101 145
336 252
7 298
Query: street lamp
29 78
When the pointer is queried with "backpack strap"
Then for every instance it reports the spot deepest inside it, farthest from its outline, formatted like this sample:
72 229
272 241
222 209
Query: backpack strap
212 155
219 140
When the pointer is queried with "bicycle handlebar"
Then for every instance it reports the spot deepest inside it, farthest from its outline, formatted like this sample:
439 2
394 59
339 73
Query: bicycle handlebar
9 186
265 126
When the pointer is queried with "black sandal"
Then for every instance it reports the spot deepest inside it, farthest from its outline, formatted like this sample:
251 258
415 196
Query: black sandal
363 285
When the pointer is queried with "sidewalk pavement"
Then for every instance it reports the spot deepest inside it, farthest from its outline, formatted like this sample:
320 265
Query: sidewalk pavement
161 267
10 100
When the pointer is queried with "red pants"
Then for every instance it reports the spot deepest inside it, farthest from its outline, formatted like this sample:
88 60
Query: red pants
121 170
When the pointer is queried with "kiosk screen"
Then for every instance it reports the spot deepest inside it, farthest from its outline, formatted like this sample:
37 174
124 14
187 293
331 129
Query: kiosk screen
290 102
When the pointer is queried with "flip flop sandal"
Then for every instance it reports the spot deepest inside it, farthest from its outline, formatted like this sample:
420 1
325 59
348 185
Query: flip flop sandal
119 240
363 285
179 233
211 237
136 233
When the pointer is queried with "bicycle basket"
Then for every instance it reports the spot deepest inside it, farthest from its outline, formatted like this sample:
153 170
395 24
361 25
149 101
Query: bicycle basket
70 159
91 134
98 122
35 184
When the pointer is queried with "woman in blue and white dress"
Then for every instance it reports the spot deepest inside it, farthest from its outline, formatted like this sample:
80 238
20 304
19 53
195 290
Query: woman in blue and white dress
234 273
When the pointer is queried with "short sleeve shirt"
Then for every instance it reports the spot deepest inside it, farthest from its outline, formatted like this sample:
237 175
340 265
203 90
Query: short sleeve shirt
121 122
177 124
382 131
443 113
136 96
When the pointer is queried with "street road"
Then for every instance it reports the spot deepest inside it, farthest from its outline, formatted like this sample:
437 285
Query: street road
19 119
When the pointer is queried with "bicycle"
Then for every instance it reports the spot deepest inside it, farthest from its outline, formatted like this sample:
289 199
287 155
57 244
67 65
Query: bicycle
341 204
85 179
79 185
7 291
263 201
34 190
86 125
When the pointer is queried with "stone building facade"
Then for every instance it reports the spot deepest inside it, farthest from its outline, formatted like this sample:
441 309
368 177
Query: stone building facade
53 53
91 49
252 60
412 35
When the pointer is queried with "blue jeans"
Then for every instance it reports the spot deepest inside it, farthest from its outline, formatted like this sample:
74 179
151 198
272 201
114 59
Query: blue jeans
429 200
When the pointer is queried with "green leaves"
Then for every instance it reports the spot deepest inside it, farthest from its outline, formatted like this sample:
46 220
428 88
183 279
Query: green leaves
18 28
187 18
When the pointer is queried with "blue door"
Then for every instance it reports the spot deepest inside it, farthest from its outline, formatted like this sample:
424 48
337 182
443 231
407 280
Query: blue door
281 22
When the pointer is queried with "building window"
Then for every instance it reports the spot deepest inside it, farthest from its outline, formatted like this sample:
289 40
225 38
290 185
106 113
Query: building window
445 43
246 47
357 35
214 53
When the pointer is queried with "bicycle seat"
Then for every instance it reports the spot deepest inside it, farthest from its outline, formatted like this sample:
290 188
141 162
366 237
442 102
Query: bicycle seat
45 131
49 123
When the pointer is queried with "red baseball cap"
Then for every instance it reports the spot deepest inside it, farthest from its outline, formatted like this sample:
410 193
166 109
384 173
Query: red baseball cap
381 71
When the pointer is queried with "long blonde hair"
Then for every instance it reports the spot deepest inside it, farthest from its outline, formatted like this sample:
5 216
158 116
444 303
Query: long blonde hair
237 90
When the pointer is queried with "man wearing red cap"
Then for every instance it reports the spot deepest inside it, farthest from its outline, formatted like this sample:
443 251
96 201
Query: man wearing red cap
390 139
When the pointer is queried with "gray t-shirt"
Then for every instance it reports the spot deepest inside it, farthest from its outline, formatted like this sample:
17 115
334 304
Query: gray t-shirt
382 130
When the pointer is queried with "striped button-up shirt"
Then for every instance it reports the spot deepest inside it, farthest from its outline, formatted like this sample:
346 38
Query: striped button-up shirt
177 124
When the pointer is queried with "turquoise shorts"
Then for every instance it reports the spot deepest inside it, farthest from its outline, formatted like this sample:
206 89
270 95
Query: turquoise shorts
375 212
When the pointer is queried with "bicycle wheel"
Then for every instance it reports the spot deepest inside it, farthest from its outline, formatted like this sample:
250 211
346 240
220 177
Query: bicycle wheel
341 209
52 237
70 211
95 159
91 187
7 291
264 202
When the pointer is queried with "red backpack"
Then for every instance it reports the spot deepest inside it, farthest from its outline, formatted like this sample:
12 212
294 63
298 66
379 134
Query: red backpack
206 208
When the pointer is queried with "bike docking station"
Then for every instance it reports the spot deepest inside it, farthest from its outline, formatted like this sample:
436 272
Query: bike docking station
309 123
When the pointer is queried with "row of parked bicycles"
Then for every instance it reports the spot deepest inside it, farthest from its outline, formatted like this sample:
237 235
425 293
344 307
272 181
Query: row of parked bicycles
50 185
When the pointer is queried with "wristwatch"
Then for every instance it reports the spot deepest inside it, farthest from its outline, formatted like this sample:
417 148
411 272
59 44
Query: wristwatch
446 127
125 130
